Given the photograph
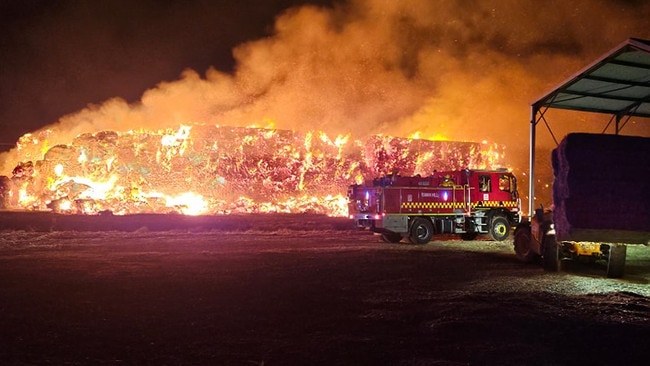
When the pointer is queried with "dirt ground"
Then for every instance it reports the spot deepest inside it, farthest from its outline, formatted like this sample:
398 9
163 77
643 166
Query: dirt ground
302 290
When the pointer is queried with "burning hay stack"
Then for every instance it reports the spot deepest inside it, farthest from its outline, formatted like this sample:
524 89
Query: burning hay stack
210 169
601 190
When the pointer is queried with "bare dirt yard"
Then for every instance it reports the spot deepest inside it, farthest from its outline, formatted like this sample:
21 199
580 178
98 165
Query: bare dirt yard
300 290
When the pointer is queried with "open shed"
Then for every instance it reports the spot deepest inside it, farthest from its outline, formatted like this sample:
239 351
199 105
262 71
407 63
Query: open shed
618 84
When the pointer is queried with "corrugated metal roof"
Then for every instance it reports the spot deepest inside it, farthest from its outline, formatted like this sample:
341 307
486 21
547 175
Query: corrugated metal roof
618 83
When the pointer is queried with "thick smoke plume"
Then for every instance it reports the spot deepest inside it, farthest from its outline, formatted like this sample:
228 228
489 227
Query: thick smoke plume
463 70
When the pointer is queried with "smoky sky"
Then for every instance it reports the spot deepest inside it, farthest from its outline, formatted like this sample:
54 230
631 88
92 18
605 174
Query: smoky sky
463 70
57 57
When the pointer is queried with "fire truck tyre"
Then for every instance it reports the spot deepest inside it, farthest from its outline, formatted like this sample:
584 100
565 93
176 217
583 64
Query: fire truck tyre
500 228
391 237
421 231
616 260
523 249
551 254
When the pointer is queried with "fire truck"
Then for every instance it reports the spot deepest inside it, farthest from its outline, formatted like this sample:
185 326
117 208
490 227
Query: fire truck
465 202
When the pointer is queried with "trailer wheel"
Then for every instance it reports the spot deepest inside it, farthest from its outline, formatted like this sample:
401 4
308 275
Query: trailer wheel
551 254
523 249
391 237
616 260
500 228
421 231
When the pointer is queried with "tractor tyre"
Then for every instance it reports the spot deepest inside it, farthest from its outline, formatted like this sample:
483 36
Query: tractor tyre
421 231
616 260
550 254
522 244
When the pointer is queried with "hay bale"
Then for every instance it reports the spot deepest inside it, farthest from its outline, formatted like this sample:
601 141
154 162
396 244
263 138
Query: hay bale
601 187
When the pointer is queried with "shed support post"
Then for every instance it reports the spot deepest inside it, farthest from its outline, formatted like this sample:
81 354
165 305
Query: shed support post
531 162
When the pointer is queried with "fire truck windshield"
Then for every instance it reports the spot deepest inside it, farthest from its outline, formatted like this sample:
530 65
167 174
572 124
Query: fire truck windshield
504 183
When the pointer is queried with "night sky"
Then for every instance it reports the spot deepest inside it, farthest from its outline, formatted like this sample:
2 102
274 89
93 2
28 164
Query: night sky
56 57
462 69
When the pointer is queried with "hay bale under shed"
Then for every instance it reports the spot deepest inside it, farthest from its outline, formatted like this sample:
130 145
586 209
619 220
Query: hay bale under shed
600 189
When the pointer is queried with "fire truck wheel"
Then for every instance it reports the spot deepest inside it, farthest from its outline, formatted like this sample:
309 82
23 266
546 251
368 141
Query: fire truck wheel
551 254
522 241
421 231
391 237
500 228
616 260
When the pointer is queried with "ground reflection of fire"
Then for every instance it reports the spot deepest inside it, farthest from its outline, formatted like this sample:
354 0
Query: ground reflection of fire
218 170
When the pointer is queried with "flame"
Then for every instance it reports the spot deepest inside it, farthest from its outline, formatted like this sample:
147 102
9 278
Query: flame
199 169
415 135
189 203
437 137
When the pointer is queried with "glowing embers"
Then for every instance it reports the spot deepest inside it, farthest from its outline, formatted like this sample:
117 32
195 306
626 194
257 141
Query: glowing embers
202 169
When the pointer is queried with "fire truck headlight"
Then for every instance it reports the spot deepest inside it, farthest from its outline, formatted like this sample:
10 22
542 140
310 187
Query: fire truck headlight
445 195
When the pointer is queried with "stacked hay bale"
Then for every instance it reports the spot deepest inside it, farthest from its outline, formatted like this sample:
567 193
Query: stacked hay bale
600 190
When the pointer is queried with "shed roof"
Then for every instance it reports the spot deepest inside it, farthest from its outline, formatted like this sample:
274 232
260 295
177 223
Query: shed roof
618 83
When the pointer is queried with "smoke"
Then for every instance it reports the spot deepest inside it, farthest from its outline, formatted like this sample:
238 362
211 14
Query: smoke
464 70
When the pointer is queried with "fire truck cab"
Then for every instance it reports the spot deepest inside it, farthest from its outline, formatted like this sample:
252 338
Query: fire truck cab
465 202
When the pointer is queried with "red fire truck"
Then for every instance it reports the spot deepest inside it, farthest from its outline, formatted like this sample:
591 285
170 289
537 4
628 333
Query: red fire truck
466 202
